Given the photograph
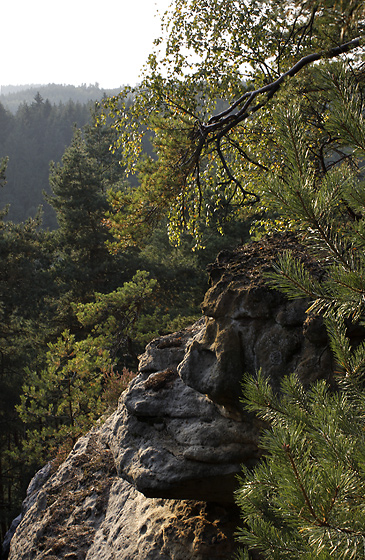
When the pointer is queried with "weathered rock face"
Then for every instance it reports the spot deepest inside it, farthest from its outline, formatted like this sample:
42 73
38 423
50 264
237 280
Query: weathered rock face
249 327
181 431
172 441
156 480
86 511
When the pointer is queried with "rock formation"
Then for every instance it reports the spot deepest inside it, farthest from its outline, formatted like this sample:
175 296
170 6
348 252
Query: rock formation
156 479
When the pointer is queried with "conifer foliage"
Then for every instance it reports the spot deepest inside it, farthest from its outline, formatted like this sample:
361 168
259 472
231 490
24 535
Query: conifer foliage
306 499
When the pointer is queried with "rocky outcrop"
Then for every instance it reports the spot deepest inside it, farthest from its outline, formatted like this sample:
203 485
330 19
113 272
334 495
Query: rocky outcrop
156 479
170 440
85 510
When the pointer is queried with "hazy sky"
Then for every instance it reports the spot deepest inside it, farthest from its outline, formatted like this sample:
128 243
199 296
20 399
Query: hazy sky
77 41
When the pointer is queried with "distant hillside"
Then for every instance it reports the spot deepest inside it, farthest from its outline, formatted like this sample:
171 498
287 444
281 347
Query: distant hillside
13 96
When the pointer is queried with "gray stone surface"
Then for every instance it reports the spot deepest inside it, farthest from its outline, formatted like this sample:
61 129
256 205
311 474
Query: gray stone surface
172 441
85 511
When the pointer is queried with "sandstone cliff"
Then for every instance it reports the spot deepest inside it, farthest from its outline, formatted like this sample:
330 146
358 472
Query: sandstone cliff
156 479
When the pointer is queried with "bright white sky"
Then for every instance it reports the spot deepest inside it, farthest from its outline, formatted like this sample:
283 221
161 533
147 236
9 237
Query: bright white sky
77 41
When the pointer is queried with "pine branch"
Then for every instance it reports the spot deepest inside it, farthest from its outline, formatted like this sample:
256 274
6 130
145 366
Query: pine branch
287 450
319 522
292 278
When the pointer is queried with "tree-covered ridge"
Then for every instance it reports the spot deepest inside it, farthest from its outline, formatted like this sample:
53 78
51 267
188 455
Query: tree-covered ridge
36 125
36 135
11 97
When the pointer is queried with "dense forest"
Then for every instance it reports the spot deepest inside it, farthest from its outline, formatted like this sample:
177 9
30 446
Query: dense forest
74 312
36 125
284 151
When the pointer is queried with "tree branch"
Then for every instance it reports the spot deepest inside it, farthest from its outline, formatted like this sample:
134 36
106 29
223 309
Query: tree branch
227 119
219 125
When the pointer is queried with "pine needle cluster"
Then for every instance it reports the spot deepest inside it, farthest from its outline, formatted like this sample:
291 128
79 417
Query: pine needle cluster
306 499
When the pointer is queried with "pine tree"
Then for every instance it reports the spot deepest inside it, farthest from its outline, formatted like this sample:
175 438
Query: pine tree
116 319
306 499
79 198
63 400
83 263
